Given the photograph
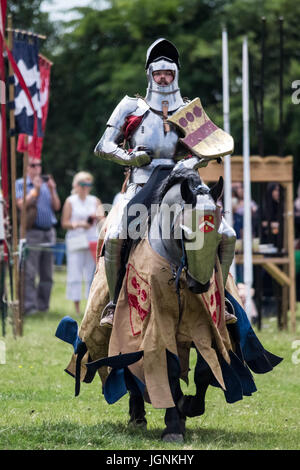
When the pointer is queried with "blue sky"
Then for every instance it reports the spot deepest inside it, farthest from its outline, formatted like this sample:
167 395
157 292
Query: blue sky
59 9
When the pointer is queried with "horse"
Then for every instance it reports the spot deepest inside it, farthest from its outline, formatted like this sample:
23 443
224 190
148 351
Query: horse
172 298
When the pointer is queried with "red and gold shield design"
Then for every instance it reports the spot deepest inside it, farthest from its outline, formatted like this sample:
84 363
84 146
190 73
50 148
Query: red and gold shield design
138 291
202 137
212 301
206 223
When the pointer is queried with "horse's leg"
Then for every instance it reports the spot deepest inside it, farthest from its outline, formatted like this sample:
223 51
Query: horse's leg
137 410
136 402
175 426
174 419
194 405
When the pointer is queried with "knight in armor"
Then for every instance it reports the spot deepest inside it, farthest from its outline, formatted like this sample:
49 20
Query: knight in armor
142 123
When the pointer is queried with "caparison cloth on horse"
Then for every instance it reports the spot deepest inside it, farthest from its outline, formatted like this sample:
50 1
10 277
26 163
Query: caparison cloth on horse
148 319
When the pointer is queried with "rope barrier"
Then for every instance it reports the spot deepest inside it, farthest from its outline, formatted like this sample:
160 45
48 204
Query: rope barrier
44 247
51 247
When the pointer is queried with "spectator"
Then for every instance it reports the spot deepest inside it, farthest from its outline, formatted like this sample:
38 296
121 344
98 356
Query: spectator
242 290
41 196
238 209
120 195
297 241
272 222
81 213
297 214
238 220
118 198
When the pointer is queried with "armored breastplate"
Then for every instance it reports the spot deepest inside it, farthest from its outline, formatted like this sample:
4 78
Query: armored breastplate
151 134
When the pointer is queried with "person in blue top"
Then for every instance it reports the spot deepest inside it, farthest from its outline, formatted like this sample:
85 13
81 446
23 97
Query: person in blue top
39 260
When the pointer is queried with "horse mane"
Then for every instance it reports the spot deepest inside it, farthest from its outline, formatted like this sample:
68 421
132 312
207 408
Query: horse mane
176 177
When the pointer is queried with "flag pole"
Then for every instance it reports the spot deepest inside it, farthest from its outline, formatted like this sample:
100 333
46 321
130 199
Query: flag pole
247 227
226 120
17 323
9 29
18 265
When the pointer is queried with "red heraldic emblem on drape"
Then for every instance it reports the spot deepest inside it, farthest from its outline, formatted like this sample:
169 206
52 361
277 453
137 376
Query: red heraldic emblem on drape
212 301
138 291
35 151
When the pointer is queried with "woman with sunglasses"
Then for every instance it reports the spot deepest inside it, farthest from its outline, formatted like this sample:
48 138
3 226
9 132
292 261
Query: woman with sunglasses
81 215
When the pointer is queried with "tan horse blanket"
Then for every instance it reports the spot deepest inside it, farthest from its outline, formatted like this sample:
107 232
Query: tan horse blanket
148 319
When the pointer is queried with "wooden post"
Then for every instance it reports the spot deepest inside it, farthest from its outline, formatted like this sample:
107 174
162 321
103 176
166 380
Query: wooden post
17 325
291 253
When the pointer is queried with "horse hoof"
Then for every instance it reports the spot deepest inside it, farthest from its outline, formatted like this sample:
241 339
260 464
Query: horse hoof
172 437
137 423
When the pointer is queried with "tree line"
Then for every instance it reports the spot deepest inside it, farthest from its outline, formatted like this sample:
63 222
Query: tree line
100 57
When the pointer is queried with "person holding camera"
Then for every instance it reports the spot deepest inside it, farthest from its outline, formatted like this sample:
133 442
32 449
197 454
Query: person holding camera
82 213
42 201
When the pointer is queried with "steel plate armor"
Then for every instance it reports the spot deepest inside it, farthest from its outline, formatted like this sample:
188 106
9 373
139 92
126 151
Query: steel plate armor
160 147
154 141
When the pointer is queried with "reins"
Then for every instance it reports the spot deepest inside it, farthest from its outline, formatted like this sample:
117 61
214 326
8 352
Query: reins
181 267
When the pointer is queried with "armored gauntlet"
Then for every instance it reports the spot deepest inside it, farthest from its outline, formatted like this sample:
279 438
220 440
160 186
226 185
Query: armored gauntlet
108 149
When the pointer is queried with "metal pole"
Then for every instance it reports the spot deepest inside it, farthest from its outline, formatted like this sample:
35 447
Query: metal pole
262 89
226 119
23 234
247 227
280 145
23 211
227 164
261 186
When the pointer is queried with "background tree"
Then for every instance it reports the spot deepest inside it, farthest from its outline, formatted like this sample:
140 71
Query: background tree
27 15
100 57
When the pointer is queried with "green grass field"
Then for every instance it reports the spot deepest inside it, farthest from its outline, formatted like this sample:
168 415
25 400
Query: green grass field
38 409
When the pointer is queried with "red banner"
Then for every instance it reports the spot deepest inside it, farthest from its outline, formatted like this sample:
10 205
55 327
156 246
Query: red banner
35 151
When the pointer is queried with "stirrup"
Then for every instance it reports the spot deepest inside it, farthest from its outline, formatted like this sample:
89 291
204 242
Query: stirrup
230 318
107 317
229 313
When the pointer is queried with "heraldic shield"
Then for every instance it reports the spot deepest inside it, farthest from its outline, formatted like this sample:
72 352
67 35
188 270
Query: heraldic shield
202 136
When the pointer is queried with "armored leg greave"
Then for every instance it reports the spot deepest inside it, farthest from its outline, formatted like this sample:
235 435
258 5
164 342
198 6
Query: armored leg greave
226 248
114 243
112 256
